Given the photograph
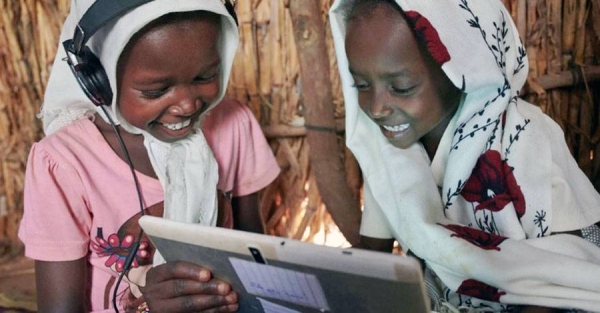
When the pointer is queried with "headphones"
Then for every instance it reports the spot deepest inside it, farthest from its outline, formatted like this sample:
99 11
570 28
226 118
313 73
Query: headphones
84 65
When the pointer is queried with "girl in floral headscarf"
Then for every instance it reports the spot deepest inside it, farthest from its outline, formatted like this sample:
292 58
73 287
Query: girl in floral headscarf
462 172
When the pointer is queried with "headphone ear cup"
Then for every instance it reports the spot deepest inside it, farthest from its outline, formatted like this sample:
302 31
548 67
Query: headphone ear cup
93 78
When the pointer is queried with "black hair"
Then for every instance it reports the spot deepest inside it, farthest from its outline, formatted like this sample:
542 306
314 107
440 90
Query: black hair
174 17
167 19
355 8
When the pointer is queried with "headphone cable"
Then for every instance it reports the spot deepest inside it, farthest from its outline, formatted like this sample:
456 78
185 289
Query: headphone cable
134 247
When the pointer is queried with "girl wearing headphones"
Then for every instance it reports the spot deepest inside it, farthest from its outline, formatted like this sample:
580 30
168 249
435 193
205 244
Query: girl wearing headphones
168 62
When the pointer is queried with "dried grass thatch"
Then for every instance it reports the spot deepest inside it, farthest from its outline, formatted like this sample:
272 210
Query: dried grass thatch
28 42
562 40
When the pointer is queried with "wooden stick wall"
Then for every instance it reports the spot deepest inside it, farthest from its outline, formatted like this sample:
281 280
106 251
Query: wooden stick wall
562 38
563 45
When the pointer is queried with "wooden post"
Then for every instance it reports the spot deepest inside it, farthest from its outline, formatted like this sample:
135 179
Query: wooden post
317 98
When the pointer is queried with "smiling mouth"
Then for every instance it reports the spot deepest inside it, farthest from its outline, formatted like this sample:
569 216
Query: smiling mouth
177 126
396 128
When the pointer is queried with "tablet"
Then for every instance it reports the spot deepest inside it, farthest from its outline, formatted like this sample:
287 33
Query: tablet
275 274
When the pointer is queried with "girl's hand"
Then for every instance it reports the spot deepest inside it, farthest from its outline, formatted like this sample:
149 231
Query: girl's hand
186 287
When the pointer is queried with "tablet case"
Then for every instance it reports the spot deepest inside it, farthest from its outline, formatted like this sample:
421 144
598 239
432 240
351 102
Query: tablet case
275 274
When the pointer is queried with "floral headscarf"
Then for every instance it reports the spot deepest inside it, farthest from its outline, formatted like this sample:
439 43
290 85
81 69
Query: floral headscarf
187 168
506 176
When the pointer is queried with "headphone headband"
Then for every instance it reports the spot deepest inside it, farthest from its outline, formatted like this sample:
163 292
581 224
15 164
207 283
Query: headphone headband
230 6
98 15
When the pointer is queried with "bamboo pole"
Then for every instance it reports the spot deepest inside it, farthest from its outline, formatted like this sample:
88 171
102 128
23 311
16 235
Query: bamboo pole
237 82
565 79
292 72
581 151
248 46
265 54
595 18
542 23
553 60
569 21
531 42
277 79
579 48
522 18
313 201
595 141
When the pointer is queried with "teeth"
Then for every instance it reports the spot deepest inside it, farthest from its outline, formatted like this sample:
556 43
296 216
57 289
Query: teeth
177 126
396 128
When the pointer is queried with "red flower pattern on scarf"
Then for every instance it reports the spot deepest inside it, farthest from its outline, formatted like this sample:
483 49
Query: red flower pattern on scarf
477 289
493 185
477 237
426 32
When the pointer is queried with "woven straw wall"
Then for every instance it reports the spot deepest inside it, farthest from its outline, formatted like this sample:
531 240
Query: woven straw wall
562 40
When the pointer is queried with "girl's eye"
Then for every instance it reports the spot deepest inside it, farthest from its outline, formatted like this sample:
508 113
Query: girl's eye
402 91
360 86
154 94
206 78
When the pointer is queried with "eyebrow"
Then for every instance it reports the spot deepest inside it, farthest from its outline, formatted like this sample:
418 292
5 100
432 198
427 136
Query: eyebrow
214 64
402 72
160 80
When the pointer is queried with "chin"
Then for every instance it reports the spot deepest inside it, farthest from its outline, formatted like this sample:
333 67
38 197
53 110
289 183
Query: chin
169 138
400 145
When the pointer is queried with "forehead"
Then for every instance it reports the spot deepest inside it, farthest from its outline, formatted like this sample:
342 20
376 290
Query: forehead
171 52
381 38
164 39
356 8
206 25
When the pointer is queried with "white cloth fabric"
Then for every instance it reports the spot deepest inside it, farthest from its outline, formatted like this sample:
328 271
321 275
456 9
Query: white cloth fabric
507 178
187 169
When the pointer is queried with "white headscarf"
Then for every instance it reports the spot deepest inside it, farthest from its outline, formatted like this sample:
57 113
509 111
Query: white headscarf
502 166
187 168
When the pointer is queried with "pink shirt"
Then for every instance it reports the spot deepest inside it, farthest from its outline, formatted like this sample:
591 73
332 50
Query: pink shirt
80 199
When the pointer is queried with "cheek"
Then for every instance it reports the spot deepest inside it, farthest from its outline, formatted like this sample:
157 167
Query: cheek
209 92
135 111
435 99
126 105
447 94
362 103
436 111
446 105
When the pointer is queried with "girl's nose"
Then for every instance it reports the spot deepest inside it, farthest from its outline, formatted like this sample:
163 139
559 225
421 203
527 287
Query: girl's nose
186 102
379 105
